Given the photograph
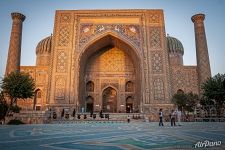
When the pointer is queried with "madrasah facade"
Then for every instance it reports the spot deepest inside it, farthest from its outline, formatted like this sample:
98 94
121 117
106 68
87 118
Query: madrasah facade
117 61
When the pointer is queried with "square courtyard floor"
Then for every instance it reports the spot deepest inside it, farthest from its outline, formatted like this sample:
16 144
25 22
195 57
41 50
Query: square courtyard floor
113 136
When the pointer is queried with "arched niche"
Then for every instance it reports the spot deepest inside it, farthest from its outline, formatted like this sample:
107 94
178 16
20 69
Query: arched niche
38 100
129 87
179 91
109 100
90 86
100 45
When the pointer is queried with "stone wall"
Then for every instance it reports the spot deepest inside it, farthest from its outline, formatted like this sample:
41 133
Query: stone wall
184 78
40 76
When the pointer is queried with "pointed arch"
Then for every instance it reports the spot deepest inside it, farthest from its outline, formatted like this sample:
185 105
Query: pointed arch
129 87
90 86
109 100
106 38
180 91
100 43
109 86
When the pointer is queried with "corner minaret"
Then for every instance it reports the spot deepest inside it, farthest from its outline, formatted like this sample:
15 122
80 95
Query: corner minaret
13 60
203 65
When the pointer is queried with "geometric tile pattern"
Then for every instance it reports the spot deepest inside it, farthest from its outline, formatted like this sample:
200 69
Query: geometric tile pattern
61 62
184 78
113 136
60 87
113 60
64 36
13 61
65 18
155 41
14 51
203 63
154 18
156 61
158 89
128 31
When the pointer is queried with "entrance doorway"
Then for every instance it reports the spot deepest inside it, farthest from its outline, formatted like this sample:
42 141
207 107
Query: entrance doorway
129 104
89 104
109 100
37 100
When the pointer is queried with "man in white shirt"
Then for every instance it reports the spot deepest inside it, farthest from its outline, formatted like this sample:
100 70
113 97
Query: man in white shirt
178 117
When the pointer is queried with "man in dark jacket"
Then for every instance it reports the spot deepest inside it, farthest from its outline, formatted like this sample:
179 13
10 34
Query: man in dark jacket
160 117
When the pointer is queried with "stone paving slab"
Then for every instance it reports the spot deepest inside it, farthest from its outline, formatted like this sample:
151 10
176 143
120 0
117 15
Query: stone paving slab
112 136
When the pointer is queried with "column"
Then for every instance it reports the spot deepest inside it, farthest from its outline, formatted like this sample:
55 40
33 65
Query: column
203 65
14 52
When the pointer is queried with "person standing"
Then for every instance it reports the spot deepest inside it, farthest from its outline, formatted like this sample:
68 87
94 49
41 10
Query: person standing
74 113
91 113
128 119
172 117
178 117
101 114
160 117
62 114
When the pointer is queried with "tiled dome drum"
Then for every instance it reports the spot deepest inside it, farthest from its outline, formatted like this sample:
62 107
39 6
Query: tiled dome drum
43 51
176 51
174 45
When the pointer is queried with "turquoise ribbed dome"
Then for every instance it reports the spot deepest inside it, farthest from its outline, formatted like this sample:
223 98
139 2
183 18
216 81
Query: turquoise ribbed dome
44 46
174 45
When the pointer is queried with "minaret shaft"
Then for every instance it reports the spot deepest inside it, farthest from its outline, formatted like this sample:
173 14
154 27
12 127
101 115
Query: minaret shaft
203 64
14 52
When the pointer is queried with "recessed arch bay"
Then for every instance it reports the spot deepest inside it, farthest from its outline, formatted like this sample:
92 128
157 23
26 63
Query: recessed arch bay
110 60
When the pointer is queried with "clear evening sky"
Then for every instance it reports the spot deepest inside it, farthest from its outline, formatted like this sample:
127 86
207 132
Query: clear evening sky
40 19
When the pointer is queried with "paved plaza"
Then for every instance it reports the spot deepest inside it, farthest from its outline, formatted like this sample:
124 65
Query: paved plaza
112 136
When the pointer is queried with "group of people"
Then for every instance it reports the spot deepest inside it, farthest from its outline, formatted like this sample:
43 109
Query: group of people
175 115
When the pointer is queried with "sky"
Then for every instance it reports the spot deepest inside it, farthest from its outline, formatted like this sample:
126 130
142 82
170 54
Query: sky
40 14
